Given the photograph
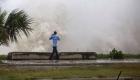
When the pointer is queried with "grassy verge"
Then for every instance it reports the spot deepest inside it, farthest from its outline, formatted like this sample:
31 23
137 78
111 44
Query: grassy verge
10 73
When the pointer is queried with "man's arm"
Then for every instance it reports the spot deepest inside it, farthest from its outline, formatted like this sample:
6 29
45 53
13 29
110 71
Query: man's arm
50 37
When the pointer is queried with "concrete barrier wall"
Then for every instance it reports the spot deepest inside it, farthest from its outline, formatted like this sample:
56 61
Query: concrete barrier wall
45 55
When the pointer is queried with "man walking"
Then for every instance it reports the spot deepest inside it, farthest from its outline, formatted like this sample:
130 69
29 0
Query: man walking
54 39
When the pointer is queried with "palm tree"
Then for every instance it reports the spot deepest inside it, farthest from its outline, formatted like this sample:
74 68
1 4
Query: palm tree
12 24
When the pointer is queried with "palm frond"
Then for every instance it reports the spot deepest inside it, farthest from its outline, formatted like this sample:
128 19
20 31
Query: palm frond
2 17
17 21
4 39
3 35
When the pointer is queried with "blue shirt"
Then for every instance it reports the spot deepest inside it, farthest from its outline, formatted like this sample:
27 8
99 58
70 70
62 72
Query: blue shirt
54 39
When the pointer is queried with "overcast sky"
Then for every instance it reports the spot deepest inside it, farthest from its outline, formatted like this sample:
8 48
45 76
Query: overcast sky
83 25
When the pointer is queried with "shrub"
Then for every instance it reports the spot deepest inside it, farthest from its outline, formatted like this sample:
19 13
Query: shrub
3 57
115 54
103 56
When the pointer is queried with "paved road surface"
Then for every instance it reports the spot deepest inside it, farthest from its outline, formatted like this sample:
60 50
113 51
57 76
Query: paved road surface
69 62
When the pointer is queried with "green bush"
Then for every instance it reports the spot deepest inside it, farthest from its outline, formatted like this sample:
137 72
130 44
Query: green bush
103 56
3 57
115 54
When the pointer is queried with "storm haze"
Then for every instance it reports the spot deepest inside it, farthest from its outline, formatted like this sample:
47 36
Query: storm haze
83 25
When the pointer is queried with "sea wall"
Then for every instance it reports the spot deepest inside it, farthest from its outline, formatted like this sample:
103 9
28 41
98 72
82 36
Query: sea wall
45 55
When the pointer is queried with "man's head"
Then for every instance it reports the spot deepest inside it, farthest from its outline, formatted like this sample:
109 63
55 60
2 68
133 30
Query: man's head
55 32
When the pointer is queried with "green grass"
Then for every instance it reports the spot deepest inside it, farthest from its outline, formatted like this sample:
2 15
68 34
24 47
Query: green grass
132 56
10 73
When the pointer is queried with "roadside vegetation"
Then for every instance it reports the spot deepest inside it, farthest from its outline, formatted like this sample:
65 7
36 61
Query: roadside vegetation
3 57
117 54
126 56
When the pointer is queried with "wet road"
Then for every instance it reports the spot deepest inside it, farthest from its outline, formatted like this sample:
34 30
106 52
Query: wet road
70 62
